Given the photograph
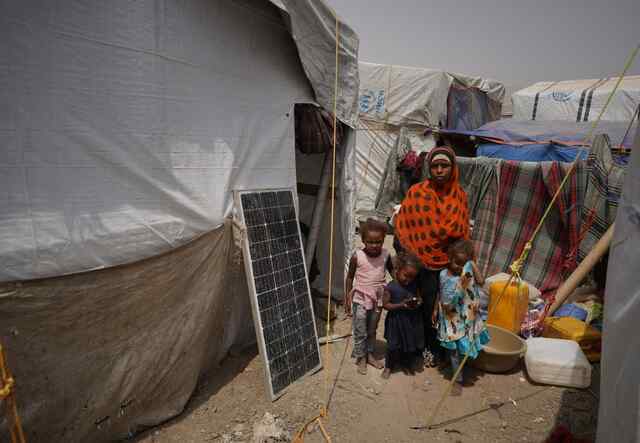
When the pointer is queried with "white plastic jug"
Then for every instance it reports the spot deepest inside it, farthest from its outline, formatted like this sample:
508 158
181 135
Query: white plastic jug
559 362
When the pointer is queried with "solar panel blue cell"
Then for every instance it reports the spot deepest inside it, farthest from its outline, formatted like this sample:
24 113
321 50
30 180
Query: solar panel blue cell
271 317
285 293
272 332
282 277
254 218
281 381
257 234
292 243
288 309
300 287
278 245
275 230
298 272
279 364
277 347
291 228
295 258
267 300
264 283
285 198
259 250
280 261
289 327
288 213
272 215
262 267
251 201
268 199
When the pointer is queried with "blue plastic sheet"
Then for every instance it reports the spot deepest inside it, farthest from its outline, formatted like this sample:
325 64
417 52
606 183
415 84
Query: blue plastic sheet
544 140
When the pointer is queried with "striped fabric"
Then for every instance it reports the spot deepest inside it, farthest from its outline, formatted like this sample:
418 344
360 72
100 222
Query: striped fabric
604 187
513 203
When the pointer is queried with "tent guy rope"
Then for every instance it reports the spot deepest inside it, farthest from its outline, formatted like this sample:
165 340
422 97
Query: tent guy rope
8 396
323 413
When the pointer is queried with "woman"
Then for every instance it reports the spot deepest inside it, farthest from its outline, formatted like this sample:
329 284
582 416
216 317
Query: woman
433 215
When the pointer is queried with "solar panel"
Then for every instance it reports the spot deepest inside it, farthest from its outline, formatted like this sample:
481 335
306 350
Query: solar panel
279 287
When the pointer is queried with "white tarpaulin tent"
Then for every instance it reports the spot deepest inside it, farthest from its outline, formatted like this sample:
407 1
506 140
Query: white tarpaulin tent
619 412
124 130
418 98
577 100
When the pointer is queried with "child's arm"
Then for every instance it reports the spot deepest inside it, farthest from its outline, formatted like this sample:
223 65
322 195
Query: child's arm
348 283
389 265
386 302
477 275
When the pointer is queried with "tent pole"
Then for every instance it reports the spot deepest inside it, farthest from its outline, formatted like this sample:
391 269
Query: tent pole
585 266
318 210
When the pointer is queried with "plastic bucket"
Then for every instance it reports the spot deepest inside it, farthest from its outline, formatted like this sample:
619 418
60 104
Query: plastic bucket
502 353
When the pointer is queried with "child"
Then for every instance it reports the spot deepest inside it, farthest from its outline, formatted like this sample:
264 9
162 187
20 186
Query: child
461 330
364 297
403 327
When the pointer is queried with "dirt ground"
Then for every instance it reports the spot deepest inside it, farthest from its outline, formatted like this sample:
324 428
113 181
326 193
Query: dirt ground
497 408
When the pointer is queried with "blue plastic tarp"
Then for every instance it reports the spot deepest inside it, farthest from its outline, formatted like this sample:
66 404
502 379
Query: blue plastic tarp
543 140
533 153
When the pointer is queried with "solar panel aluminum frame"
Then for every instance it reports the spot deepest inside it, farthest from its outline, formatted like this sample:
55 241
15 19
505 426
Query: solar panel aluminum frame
255 309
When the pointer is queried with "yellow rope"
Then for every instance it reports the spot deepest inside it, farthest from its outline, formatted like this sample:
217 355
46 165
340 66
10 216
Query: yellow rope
323 412
7 394
299 437
516 266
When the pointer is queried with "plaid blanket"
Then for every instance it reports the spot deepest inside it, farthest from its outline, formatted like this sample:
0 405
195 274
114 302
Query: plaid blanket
508 199
604 188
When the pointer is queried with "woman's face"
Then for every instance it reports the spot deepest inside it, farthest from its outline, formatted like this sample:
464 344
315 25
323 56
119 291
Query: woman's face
440 171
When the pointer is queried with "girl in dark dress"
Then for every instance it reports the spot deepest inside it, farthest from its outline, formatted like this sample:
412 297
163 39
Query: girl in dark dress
403 327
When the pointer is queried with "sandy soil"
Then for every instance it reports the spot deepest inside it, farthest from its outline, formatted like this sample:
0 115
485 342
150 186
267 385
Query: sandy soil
497 408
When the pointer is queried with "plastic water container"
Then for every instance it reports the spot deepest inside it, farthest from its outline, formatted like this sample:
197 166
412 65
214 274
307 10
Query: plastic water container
508 307
588 338
559 362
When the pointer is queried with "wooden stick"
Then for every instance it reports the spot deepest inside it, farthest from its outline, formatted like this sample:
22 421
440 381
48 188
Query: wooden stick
332 338
446 391
583 269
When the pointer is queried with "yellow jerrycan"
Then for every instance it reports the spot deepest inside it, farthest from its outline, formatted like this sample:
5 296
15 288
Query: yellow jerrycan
507 310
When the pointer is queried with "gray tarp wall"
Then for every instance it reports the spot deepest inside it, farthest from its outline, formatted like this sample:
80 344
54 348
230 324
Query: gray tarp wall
124 129
619 413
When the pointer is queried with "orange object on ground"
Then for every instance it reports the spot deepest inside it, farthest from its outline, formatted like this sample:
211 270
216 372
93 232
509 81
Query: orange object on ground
570 328
508 307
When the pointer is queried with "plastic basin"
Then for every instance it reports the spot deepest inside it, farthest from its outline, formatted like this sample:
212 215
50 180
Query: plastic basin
502 353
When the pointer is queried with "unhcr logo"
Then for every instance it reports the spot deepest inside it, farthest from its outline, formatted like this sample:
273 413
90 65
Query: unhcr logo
561 96
372 101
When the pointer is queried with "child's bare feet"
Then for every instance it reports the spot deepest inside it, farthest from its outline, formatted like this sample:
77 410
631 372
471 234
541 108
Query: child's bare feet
456 390
373 362
362 365
386 373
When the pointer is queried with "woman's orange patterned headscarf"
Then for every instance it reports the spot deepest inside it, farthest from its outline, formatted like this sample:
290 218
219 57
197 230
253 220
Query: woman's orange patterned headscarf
432 217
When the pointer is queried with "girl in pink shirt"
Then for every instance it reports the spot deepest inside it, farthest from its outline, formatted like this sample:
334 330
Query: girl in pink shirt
364 286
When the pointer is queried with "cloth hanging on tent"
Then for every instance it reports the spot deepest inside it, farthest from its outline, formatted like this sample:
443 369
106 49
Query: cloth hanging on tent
604 188
510 201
